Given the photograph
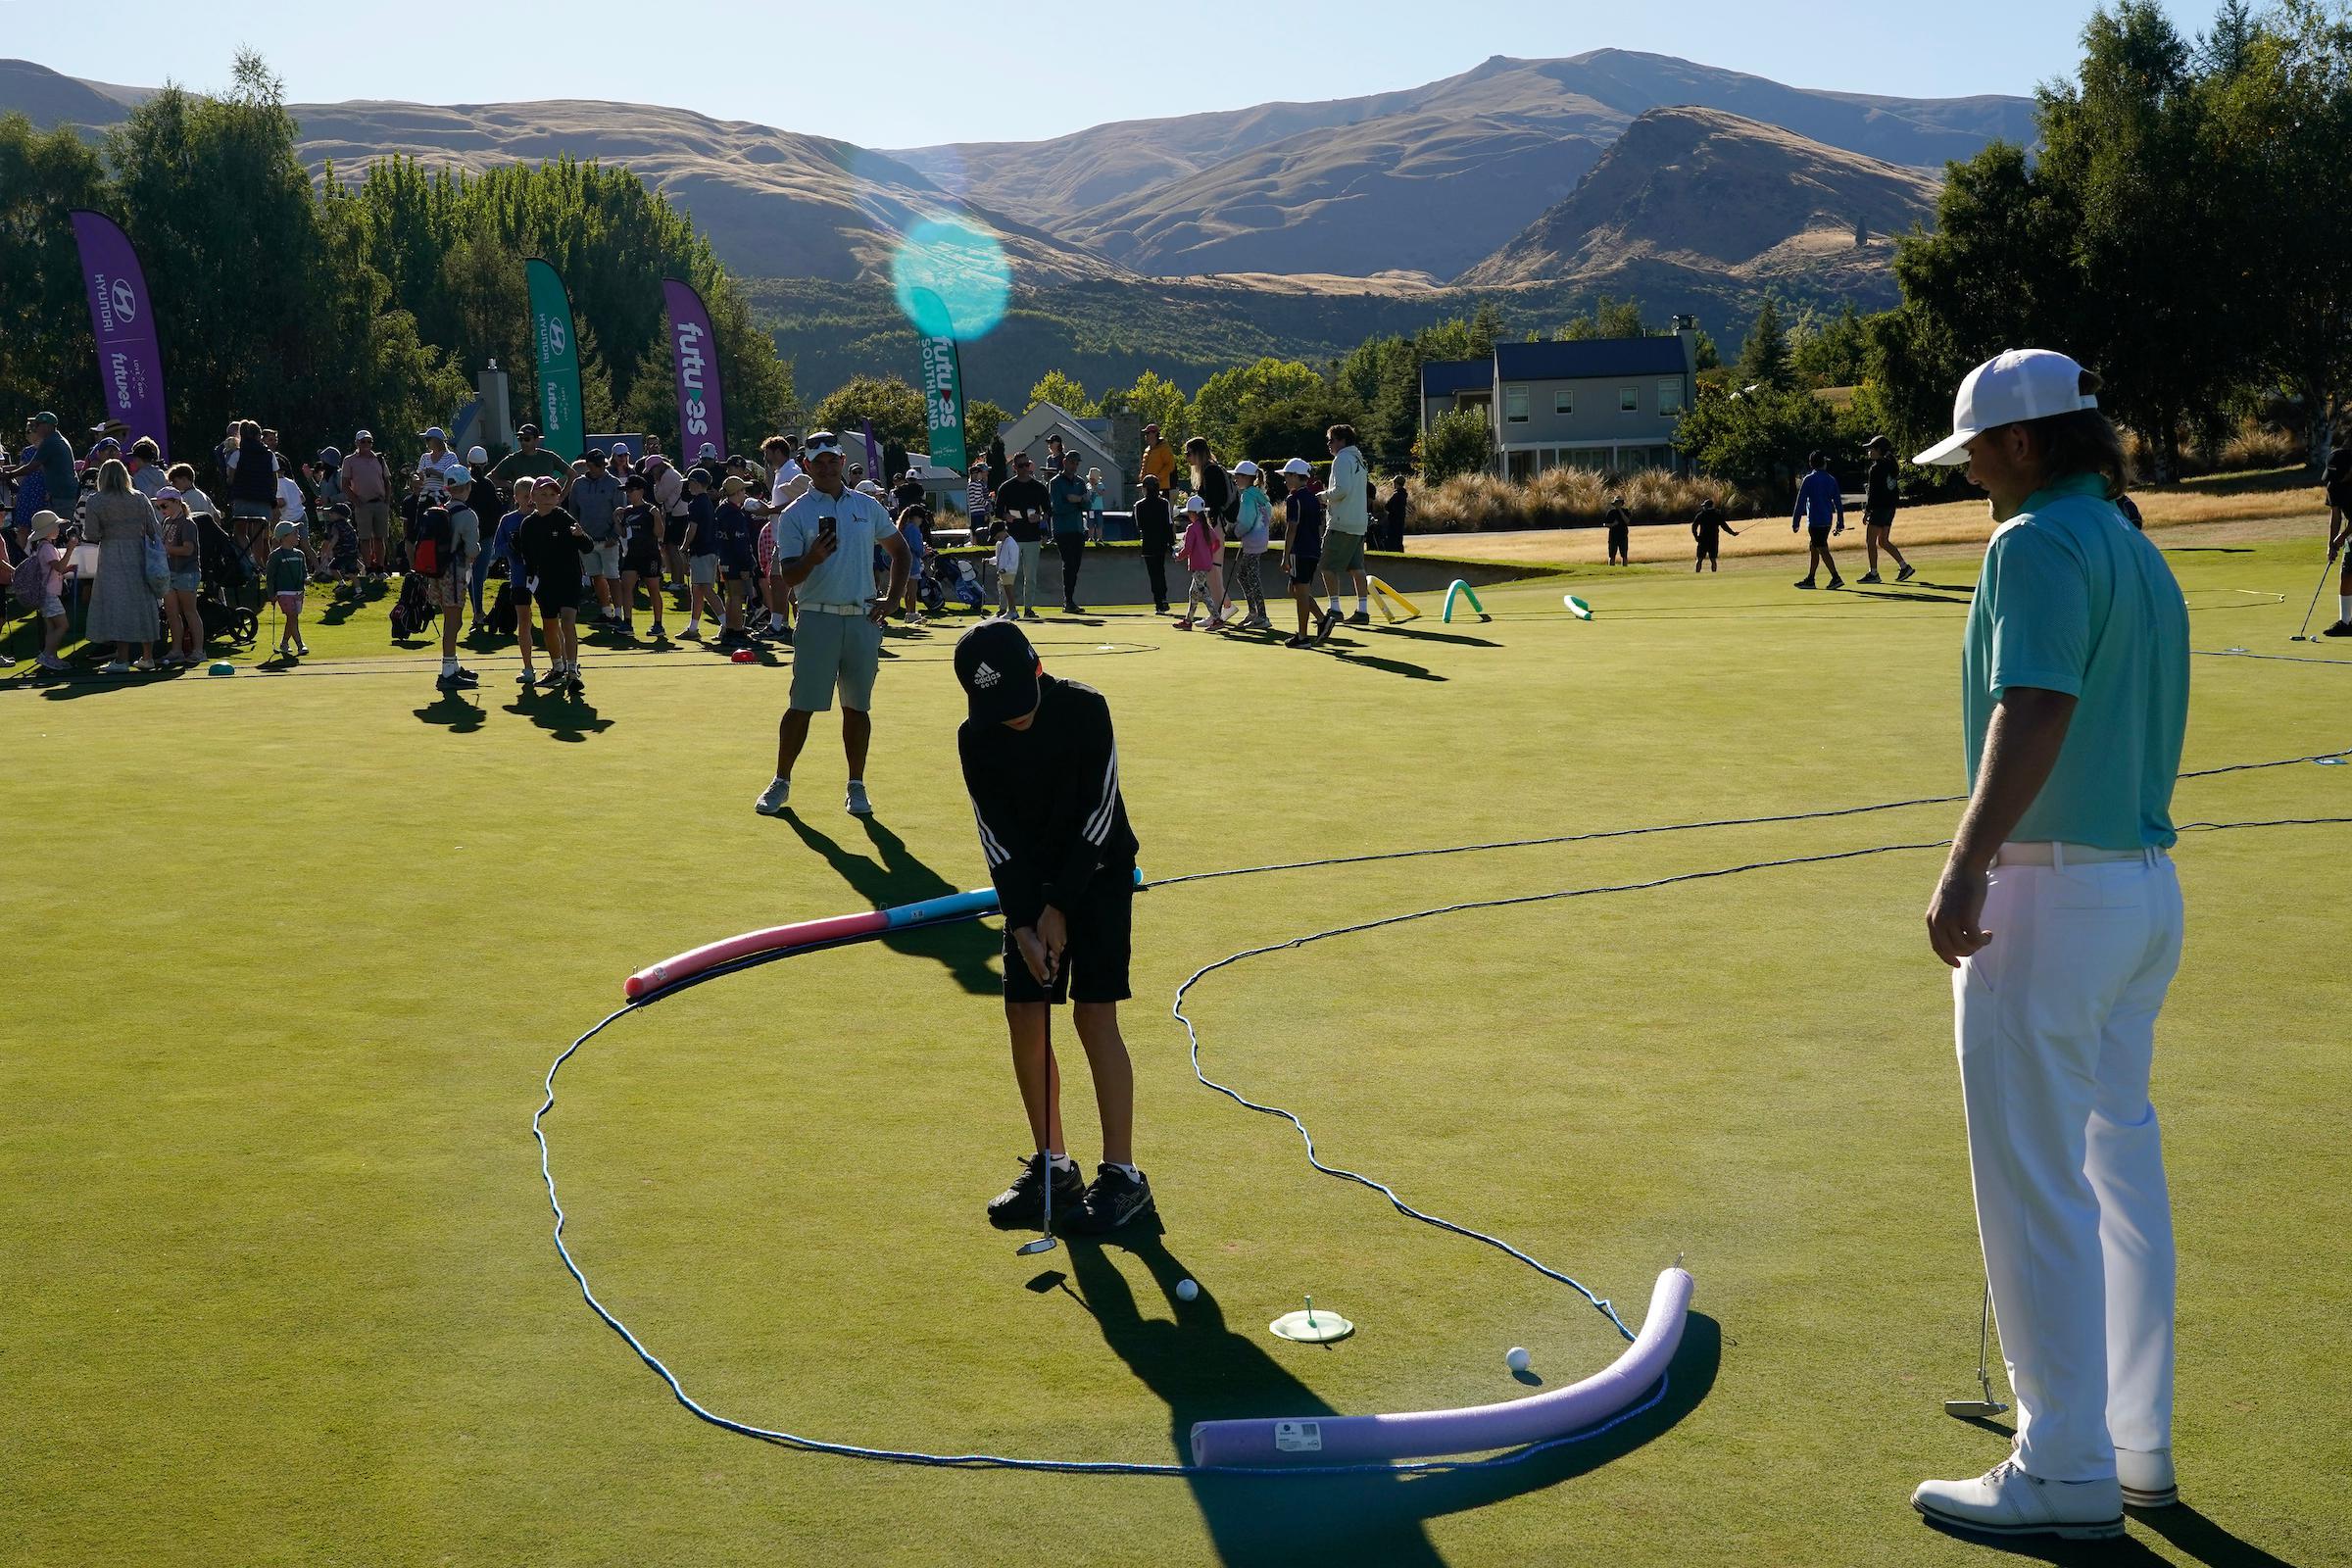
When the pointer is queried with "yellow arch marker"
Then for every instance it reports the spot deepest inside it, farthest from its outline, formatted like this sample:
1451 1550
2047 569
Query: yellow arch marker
1467 592
1383 595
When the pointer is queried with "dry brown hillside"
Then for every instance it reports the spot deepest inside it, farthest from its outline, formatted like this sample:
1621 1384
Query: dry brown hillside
1704 191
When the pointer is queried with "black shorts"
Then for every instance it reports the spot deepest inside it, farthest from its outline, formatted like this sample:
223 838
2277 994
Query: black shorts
1303 569
643 559
1709 549
1093 966
1882 524
1820 535
552 602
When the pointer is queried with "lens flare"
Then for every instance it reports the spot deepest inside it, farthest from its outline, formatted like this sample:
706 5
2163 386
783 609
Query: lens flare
952 278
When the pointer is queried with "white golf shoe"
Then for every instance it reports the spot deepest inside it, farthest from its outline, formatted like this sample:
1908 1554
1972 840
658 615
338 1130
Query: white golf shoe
858 804
772 798
2007 1501
2147 1477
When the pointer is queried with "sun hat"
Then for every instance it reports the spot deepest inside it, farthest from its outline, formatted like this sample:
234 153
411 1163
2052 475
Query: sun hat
1299 466
997 669
1246 468
477 455
2006 389
45 522
1877 443
1194 504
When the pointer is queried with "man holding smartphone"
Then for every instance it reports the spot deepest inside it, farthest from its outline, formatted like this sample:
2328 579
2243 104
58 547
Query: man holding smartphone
1022 503
825 543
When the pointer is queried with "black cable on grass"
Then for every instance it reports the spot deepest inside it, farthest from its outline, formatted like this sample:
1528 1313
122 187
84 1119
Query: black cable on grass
1093 1467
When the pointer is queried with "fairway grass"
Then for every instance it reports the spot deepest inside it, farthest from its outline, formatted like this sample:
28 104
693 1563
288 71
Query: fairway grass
296 952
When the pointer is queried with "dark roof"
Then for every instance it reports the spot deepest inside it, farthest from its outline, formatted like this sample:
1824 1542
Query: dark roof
1591 358
1442 378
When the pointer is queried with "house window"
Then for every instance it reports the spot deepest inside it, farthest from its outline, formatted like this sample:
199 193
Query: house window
1629 400
1514 404
1563 400
1670 396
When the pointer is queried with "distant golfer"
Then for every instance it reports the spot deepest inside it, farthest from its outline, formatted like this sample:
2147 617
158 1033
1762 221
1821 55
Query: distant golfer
1707 531
2061 912
2339 533
1043 771
1819 505
1881 496
1620 524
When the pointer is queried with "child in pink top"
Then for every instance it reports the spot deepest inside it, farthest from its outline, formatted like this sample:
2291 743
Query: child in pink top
1203 548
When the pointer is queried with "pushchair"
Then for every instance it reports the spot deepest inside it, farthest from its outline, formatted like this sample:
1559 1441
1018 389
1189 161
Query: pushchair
225 576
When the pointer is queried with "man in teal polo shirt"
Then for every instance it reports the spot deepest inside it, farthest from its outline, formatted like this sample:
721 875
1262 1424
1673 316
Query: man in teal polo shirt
2060 912
825 543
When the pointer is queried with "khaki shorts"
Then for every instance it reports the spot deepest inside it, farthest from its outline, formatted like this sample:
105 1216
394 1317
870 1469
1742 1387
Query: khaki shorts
604 559
373 519
1341 552
832 651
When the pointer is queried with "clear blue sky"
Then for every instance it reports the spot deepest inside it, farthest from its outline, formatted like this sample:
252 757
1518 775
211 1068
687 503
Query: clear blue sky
962 71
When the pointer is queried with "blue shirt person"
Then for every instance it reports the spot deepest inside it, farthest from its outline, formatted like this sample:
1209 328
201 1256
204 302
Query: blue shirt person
1819 505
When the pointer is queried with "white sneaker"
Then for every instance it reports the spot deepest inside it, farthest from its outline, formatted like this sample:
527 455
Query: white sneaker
858 805
2147 1477
772 798
2006 1502
115 666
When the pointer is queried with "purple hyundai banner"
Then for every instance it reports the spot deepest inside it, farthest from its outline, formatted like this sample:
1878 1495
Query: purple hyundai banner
130 363
694 353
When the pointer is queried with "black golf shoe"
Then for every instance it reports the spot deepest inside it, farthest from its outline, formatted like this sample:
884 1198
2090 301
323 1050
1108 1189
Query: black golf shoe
1023 1204
2343 628
1114 1199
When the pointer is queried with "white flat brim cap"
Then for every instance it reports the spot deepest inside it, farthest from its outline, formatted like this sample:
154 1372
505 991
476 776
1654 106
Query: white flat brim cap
2019 384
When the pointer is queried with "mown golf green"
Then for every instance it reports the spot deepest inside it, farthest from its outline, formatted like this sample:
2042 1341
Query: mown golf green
294 953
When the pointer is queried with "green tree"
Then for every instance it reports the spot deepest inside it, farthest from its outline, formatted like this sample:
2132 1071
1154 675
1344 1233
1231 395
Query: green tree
1154 399
1459 441
1764 358
1610 318
1757 439
895 407
47 356
1831 353
1291 426
1064 392
1231 396
982 420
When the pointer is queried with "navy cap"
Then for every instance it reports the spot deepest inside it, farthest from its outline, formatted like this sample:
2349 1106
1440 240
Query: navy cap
997 669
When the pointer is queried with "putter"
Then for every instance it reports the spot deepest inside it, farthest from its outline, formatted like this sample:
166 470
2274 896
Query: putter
1045 1242
1979 1409
2299 636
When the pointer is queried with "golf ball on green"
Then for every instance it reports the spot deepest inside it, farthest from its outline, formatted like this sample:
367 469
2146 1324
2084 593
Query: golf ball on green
1186 1289
1515 1358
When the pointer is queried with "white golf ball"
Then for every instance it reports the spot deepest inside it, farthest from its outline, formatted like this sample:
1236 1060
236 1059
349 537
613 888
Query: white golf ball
1186 1289
1515 1358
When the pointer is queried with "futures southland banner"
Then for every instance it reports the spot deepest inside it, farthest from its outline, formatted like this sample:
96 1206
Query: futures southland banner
943 400
556 351
694 355
130 363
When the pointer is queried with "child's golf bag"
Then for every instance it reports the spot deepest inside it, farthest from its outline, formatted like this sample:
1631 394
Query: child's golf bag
414 613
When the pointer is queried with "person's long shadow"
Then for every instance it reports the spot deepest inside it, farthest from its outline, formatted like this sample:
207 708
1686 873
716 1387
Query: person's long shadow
965 949
452 711
565 719
1393 667
1423 634
1207 1371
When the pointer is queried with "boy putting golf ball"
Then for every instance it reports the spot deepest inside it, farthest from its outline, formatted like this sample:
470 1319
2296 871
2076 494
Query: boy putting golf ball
1043 771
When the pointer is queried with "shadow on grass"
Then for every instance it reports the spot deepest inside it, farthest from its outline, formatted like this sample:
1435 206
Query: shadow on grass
965 949
1420 634
565 719
452 711
2185 1529
2207 549
1393 667
1206 1371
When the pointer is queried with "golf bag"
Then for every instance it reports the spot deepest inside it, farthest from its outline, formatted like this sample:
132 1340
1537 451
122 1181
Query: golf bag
414 613
957 580
501 618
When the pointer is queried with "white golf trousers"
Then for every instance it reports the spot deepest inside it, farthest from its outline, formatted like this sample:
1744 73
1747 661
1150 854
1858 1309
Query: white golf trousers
2056 1021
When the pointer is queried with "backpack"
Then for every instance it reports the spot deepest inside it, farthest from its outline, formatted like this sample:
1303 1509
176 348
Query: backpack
432 557
28 581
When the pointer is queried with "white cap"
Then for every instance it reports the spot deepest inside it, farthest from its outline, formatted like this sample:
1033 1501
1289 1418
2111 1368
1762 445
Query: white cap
1300 466
2021 384
707 451
1246 468
457 474
1194 504
867 487
477 455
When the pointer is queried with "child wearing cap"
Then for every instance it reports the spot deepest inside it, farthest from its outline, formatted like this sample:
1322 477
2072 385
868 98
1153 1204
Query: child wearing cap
1254 528
1204 545
283 574
51 563
699 546
641 554
732 534
1042 767
1303 545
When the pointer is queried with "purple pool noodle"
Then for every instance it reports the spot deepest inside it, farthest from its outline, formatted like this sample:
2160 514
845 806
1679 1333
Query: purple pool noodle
1433 1434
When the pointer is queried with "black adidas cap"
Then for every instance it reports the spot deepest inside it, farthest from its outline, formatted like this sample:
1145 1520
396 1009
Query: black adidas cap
999 672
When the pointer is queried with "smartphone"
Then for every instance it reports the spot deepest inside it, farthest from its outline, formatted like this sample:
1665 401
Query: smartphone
824 528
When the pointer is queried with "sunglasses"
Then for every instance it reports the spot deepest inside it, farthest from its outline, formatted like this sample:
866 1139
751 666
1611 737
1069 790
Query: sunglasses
821 449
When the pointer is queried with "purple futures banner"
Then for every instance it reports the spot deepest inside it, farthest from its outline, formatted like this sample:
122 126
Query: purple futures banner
130 363
693 355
